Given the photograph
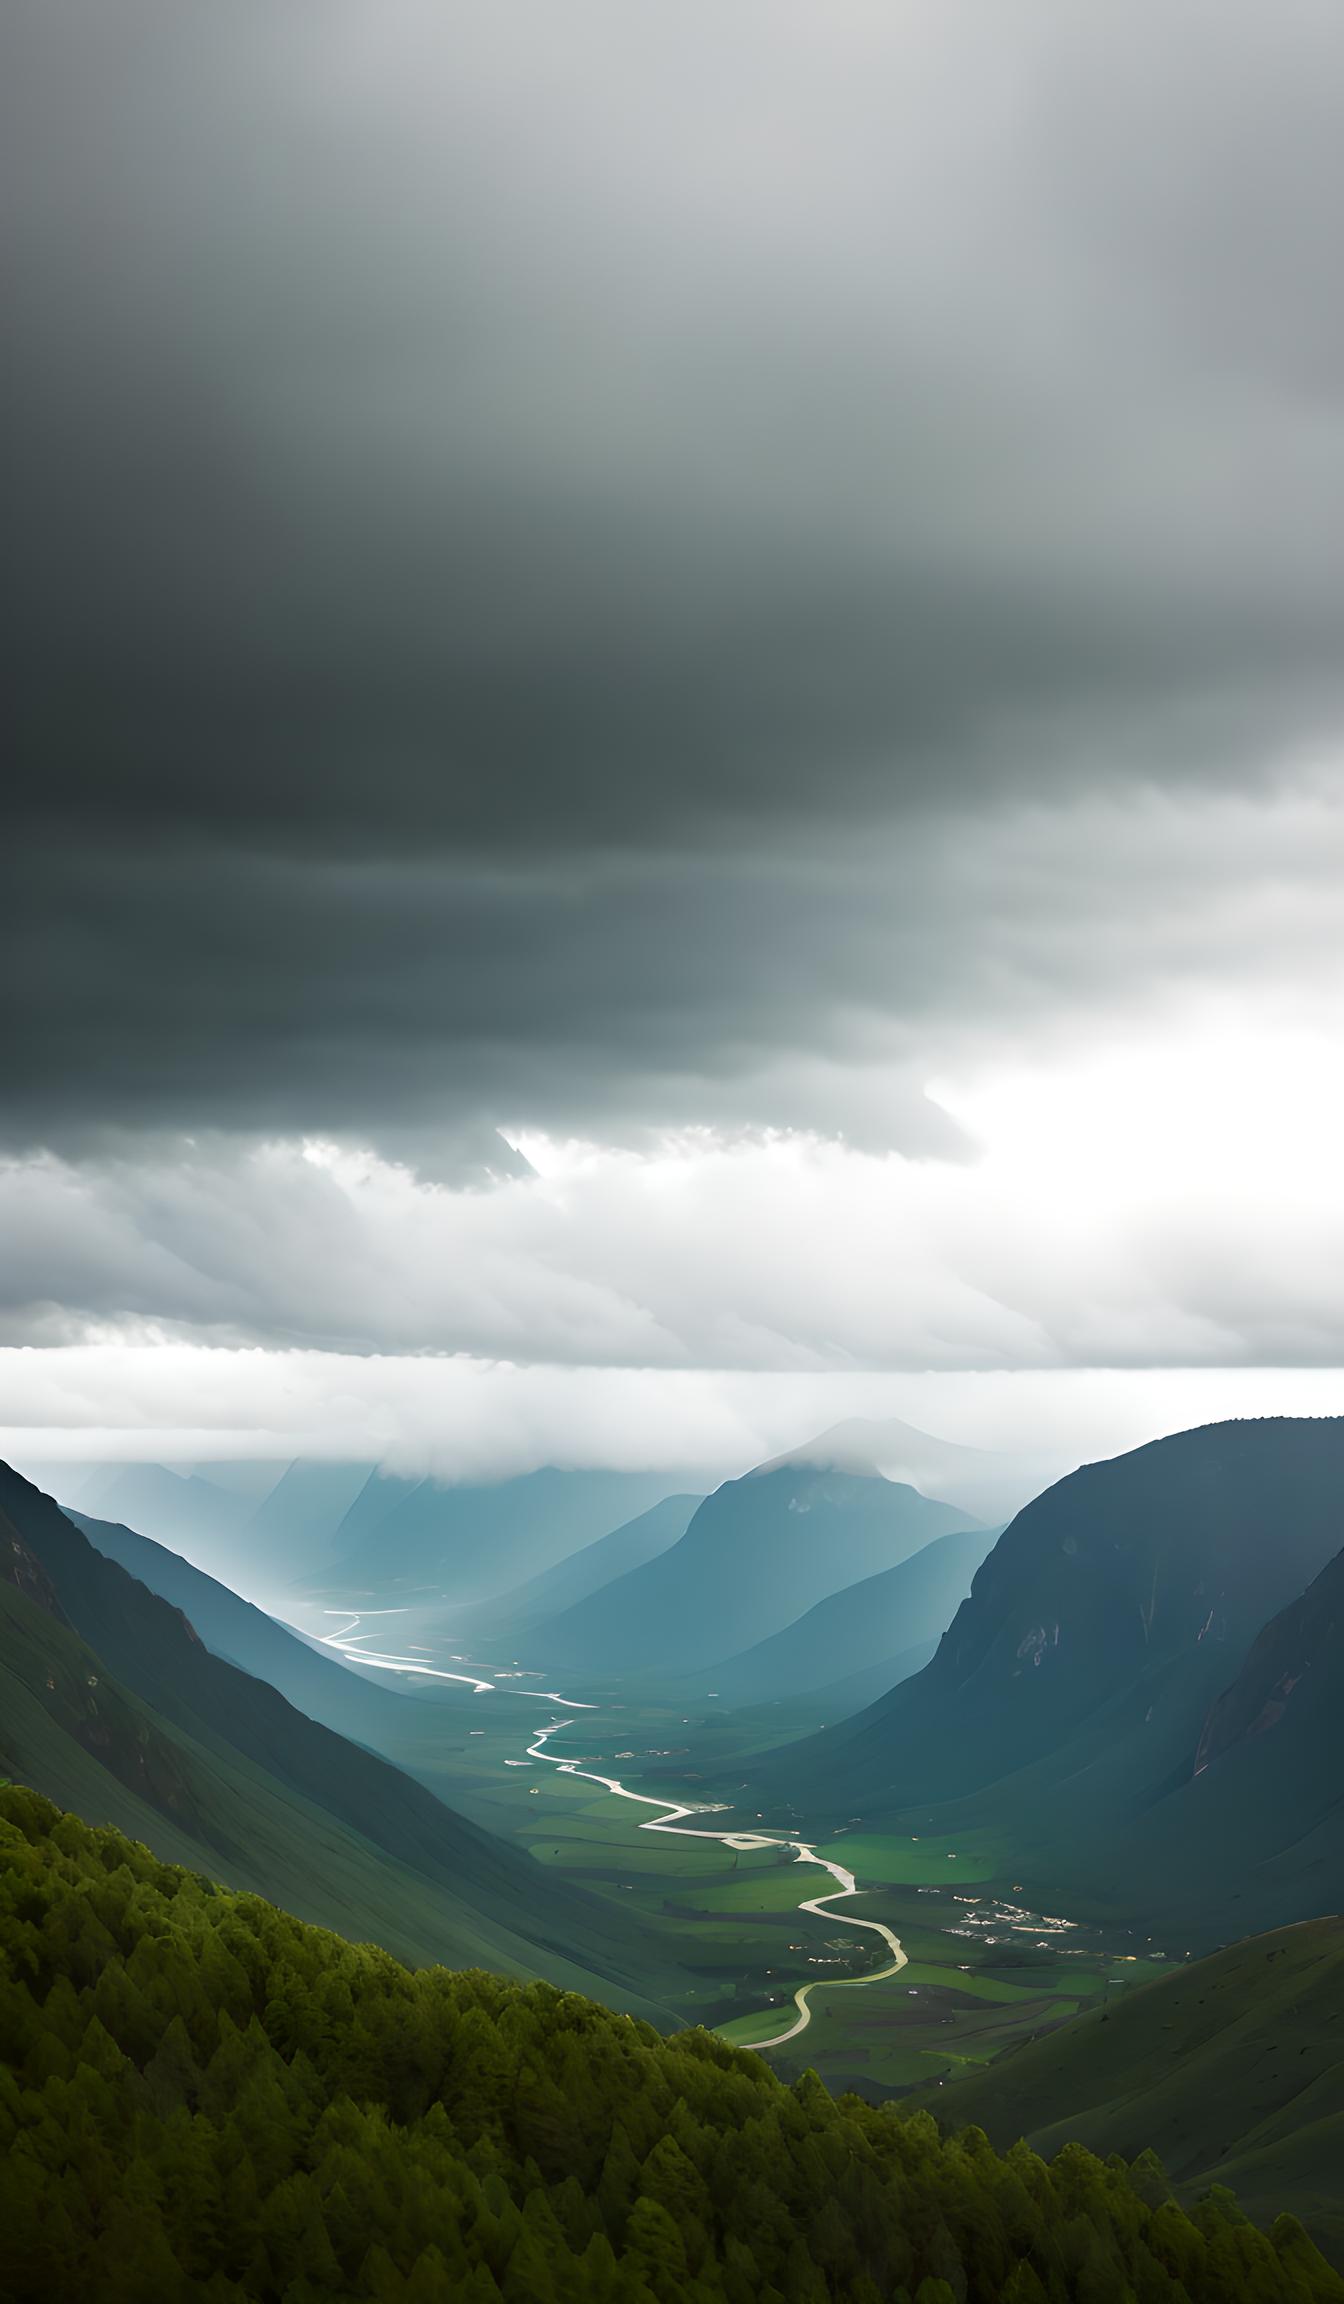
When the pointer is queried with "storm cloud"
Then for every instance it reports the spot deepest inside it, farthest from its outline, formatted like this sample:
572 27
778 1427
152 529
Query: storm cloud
591 575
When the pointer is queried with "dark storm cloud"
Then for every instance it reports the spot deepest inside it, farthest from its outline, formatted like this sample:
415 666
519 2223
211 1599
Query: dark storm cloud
539 536
422 1005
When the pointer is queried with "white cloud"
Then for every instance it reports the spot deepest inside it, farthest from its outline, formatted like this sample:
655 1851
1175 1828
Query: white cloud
463 1418
1169 1198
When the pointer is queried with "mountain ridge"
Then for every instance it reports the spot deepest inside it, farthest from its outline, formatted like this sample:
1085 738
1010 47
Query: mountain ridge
109 1685
758 1552
852 1631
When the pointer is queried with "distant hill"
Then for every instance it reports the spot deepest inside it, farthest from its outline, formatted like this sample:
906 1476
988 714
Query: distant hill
866 1626
855 1691
186 1509
295 1526
351 1529
583 1572
1230 2068
476 1540
257 1527
757 1554
201 2097
110 1702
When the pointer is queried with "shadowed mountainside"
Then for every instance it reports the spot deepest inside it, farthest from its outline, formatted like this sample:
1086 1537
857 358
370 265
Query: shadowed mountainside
584 1572
113 1704
474 1540
1066 1706
857 1630
245 1635
758 1553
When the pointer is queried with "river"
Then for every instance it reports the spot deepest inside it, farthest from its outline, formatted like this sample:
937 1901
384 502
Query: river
349 1641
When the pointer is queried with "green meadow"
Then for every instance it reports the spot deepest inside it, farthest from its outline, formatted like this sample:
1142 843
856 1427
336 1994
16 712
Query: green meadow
715 1932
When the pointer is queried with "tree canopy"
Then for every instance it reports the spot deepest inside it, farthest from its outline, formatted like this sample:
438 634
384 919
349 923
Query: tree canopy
201 2097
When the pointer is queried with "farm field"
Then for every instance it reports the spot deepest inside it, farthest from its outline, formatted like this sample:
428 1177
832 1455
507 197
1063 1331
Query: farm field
717 1931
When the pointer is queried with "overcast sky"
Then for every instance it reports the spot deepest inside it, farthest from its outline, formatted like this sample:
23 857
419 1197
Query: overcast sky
680 693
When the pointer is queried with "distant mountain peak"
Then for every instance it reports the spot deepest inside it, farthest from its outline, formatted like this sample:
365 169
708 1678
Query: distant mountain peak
986 1486
881 1447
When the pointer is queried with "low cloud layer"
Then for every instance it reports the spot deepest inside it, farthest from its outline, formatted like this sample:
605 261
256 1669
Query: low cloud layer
468 1419
1171 1205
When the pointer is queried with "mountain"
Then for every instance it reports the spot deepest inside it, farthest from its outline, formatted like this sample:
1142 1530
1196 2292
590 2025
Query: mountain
855 1691
1290 1688
757 1554
201 2097
476 1540
293 1530
87 1481
112 1704
1257 1823
1230 2068
352 1528
583 1572
986 1486
307 1675
186 1509
1108 1617
258 1527
863 1628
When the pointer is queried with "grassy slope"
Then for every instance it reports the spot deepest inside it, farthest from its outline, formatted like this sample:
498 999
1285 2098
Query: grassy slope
246 1636
71 1730
121 1676
1230 2068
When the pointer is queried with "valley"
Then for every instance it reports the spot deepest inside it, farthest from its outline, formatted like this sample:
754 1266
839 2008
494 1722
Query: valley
932 1896
726 1933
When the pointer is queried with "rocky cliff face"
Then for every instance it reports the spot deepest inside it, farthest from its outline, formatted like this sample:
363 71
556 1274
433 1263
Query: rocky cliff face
22 1569
1115 1607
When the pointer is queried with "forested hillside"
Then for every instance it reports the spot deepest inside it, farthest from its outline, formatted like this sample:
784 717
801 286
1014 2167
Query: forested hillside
202 2097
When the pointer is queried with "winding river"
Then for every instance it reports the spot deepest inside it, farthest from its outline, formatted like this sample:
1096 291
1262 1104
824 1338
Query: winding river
670 1820
349 1641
